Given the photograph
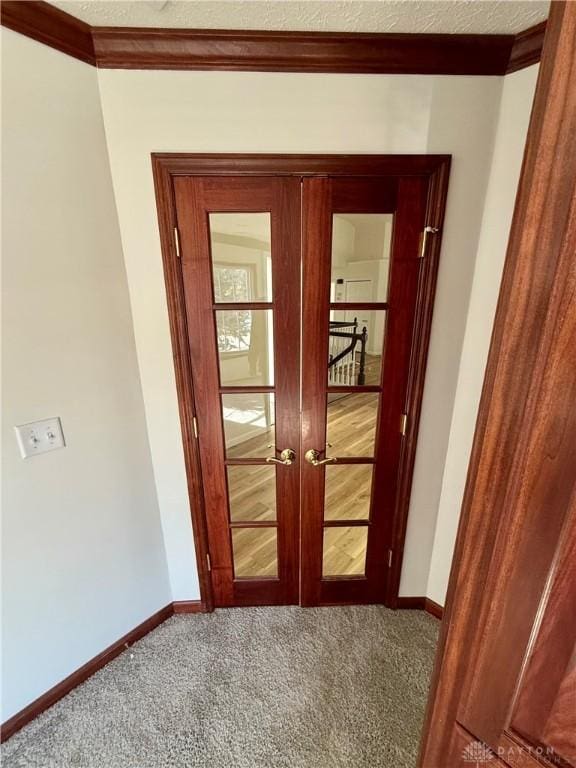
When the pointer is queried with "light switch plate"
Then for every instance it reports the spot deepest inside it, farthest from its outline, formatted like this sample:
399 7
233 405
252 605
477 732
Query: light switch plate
39 437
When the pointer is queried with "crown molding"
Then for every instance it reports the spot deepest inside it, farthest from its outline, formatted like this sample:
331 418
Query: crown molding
527 48
49 25
301 52
201 49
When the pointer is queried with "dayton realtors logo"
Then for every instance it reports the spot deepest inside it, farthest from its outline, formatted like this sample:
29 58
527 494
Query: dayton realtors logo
477 753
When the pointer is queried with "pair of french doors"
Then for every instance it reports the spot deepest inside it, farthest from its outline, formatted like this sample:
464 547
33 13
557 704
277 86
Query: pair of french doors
300 299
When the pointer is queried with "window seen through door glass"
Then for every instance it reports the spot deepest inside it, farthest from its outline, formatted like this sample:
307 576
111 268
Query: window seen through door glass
245 347
240 246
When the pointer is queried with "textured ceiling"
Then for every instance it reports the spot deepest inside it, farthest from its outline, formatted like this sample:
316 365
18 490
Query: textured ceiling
451 16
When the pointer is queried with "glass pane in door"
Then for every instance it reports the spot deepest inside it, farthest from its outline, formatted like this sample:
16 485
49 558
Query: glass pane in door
252 492
344 551
248 424
360 256
355 346
245 347
347 491
351 420
255 552
240 246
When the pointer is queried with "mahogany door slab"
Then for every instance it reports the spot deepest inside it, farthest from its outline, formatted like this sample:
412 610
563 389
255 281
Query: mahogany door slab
505 668
544 709
346 552
228 365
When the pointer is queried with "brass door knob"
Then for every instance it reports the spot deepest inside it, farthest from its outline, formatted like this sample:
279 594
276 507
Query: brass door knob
313 457
287 456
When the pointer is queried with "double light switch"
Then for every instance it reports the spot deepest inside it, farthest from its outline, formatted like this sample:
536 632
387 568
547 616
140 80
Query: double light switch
39 437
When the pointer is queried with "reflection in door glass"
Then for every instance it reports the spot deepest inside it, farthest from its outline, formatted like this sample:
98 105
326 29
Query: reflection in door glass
248 424
347 491
351 423
245 347
345 551
252 492
355 346
241 258
360 256
255 552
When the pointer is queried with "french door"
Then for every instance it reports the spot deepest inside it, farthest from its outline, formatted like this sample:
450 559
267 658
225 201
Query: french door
240 253
355 231
297 302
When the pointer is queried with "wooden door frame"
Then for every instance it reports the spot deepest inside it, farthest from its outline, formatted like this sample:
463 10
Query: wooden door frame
167 166
510 416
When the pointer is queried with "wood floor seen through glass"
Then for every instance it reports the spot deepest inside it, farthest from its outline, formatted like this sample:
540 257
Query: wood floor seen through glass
351 432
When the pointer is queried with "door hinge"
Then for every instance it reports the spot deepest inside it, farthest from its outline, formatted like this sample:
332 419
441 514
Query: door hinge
208 563
177 242
427 231
390 554
195 426
403 423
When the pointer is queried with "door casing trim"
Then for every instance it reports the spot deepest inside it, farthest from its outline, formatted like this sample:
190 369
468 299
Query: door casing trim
165 167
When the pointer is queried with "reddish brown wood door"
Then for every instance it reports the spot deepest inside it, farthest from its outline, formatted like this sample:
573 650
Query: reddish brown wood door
240 253
300 410
505 681
361 251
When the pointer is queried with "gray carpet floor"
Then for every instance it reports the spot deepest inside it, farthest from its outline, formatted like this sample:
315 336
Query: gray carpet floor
248 688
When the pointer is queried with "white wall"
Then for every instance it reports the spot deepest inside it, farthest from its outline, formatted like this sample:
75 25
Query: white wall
83 557
148 111
462 123
516 103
